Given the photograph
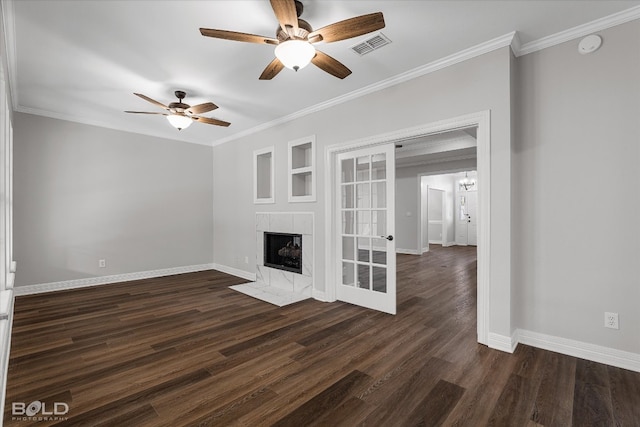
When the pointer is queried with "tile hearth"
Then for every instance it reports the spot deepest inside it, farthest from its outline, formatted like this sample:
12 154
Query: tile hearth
270 294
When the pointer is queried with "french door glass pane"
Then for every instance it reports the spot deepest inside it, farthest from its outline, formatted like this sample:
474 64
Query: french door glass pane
363 276
348 273
379 166
379 251
348 248
379 194
362 168
363 199
379 223
348 222
348 172
364 245
379 282
363 219
347 196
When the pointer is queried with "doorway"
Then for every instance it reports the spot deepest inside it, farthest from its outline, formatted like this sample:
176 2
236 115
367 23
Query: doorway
333 236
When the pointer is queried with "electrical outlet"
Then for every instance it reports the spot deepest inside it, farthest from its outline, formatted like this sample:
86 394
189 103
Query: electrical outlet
611 320
102 263
246 260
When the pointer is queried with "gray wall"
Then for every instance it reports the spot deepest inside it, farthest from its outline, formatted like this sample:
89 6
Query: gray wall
84 193
475 85
576 158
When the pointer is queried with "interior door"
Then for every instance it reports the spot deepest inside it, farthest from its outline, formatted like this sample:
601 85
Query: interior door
366 249
436 216
472 218
462 218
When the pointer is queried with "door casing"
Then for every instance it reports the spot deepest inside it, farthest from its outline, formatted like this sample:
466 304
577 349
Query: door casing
480 119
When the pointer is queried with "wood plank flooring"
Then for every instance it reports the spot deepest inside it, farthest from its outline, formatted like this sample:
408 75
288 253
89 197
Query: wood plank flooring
187 351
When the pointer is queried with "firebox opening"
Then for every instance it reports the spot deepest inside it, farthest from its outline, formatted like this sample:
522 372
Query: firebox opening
283 251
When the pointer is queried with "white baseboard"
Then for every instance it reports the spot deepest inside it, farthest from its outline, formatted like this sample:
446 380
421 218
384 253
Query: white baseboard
595 353
105 280
235 272
320 296
407 251
503 342
6 324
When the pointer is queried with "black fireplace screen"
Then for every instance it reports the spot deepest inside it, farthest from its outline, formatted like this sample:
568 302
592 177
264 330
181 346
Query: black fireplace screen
283 251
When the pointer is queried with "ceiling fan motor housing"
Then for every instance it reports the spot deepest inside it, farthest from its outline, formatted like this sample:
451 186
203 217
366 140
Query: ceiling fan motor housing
180 106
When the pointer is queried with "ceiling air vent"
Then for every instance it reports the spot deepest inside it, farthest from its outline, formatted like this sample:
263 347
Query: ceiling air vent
372 43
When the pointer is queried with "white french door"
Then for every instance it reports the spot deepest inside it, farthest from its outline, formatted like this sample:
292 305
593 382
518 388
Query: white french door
365 249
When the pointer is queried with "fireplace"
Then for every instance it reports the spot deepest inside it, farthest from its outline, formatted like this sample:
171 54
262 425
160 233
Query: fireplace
283 251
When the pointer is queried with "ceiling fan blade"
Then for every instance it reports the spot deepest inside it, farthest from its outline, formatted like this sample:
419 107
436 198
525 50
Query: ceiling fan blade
146 112
202 108
210 121
272 69
153 101
285 11
239 37
348 28
330 65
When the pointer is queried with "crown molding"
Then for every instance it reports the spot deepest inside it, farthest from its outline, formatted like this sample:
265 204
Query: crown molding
99 123
472 52
579 31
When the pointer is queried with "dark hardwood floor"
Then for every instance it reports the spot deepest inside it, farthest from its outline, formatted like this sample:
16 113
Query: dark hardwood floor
187 351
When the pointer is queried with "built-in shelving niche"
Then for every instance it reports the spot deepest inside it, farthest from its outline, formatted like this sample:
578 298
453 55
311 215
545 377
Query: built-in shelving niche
302 165
264 175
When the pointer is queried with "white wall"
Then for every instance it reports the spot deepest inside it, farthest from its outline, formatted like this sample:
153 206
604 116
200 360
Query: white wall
576 157
474 85
84 193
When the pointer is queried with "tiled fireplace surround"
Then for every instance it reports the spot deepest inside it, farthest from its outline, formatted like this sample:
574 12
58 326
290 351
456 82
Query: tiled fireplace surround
286 222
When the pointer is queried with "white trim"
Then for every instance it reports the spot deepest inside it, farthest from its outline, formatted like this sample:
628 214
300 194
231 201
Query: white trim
583 350
319 295
105 280
502 342
482 120
235 272
579 31
6 325
472 52
9 22
407 251
272 174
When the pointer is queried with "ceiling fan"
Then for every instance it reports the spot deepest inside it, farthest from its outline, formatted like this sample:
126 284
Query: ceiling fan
181 115
295 37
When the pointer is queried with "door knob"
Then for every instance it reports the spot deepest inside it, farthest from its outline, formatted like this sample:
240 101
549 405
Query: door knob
389 237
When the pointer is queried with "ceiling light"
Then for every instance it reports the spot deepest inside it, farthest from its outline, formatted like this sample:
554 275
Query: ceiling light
466 184
295 54
179 121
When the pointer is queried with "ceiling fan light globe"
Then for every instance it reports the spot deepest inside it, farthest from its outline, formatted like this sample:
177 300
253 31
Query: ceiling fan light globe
179 121
295 54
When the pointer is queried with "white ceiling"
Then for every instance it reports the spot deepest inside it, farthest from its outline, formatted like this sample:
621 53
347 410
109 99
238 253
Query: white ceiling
82 60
